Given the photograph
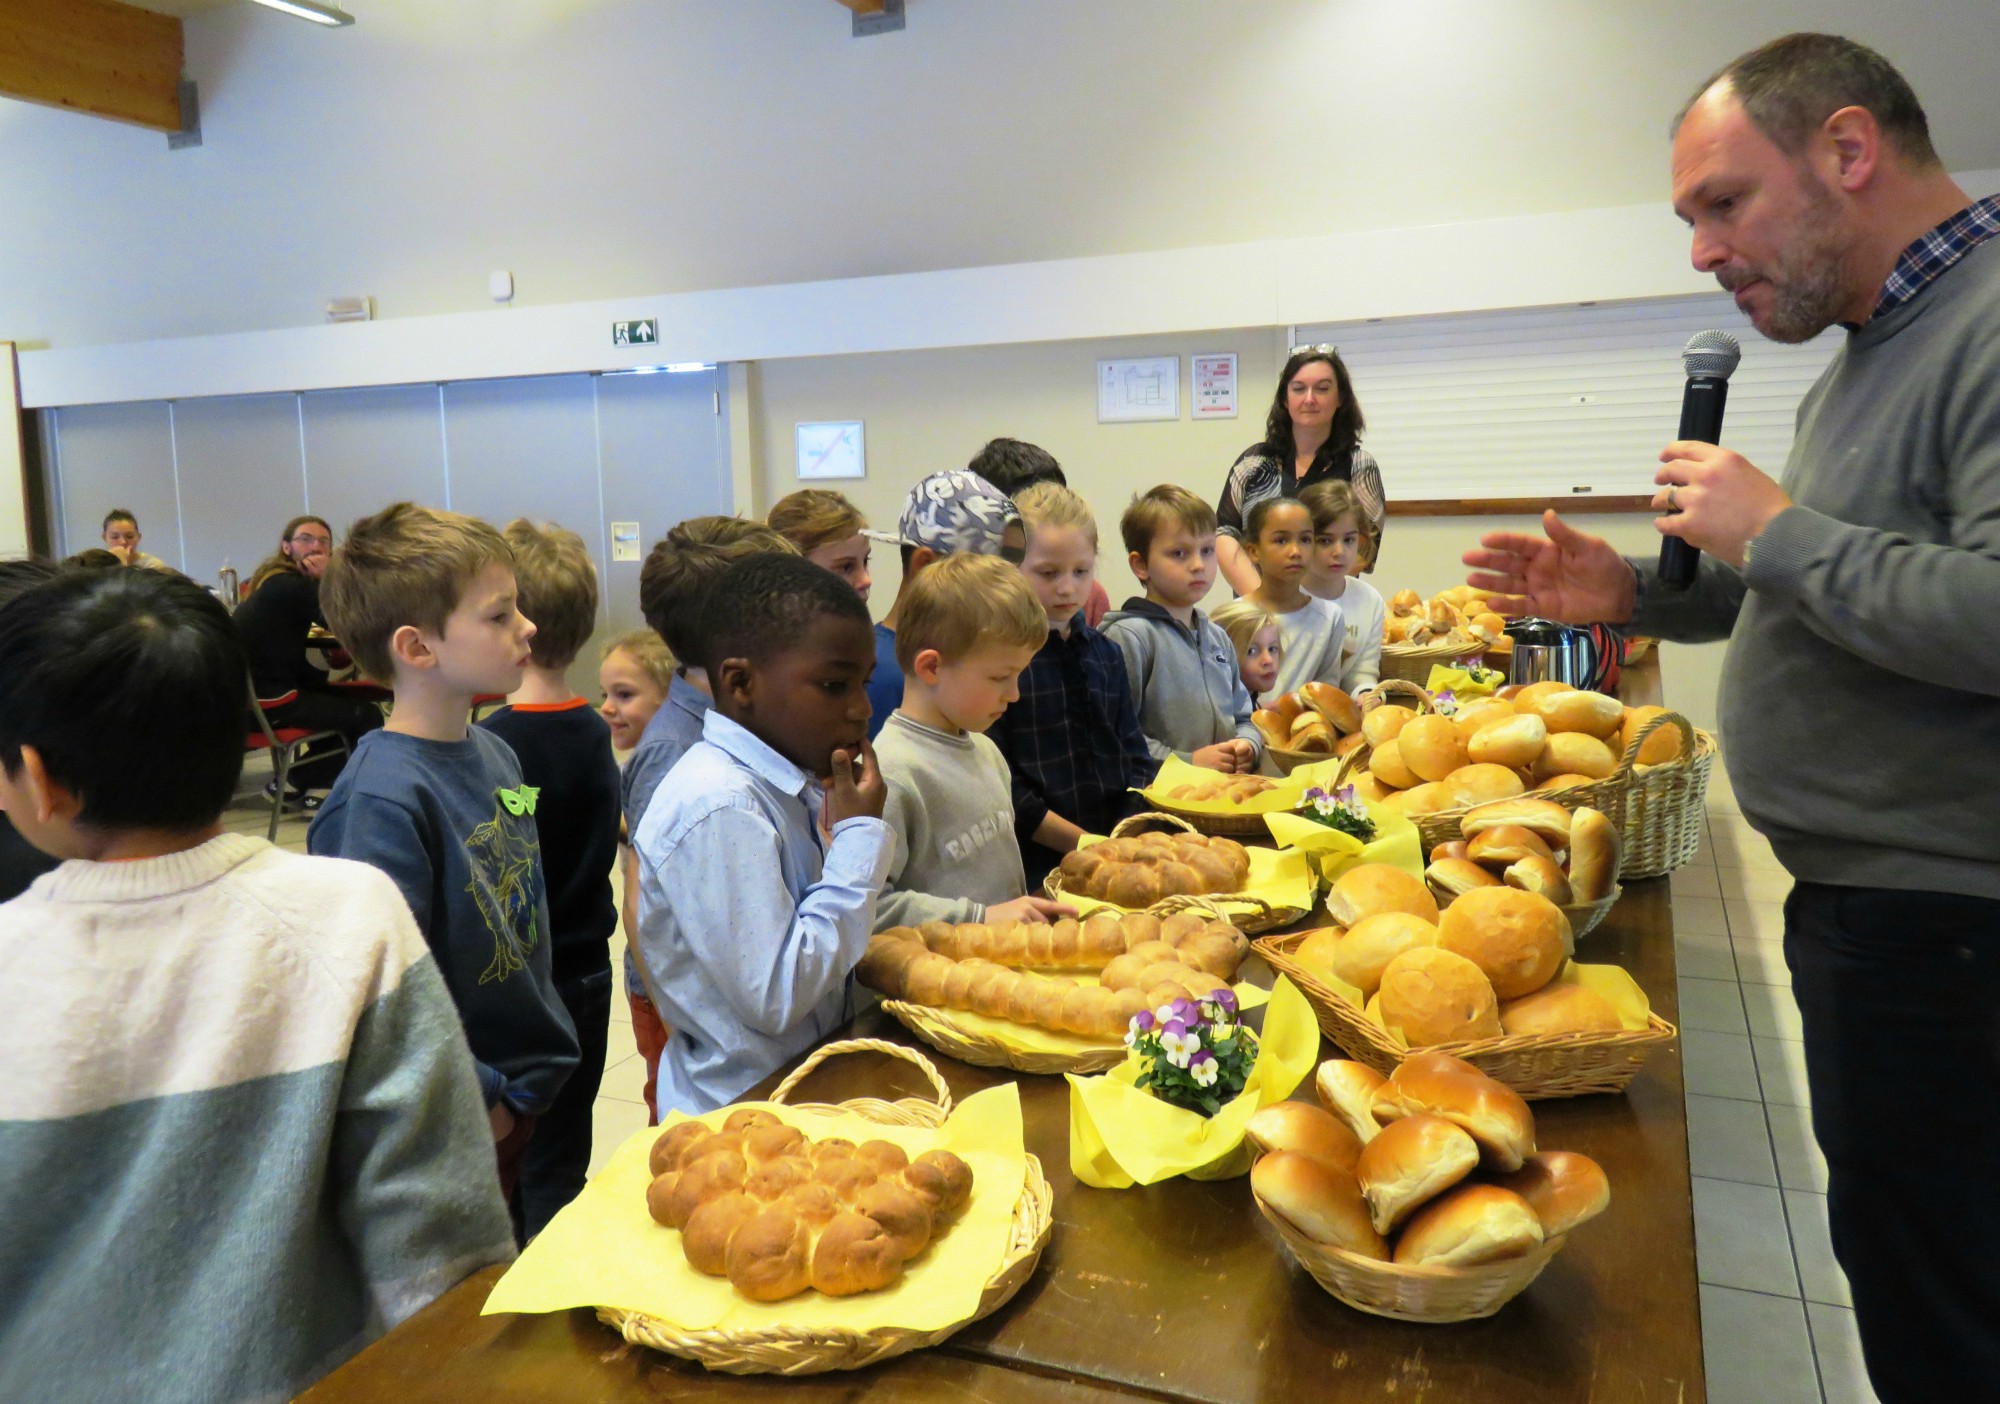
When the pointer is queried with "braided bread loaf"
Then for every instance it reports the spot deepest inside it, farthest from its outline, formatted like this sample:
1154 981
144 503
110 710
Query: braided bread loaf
1184 956
1138 871
776 1212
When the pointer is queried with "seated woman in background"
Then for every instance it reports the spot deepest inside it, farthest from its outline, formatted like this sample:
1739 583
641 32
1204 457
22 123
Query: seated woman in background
280 609
121 539
1312 435
827 529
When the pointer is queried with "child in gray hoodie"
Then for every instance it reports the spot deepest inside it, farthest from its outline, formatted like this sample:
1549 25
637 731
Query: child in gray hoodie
1182 666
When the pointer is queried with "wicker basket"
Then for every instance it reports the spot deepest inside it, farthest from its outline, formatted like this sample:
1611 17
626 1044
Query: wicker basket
1666 805
1537 1066
1198 821
944 1031
780 1350
1288 761
1432 1295
1251 914
1413 662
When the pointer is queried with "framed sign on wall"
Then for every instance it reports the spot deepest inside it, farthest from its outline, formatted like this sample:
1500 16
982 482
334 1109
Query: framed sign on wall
832 449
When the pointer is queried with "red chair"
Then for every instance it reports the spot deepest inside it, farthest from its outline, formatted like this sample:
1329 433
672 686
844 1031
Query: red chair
284 744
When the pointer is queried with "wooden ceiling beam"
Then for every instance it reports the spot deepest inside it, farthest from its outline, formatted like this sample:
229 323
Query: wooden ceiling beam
94 56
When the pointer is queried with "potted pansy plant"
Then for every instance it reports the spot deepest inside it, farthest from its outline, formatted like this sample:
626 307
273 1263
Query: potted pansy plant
1194 1054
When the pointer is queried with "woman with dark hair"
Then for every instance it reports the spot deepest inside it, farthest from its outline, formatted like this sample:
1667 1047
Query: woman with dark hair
280 608
1313 435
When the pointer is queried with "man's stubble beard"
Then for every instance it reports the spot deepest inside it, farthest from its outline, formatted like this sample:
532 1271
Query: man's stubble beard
1807 278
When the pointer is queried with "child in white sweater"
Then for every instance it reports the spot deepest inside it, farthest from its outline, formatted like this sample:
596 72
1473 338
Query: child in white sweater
1338 550
1278 538
240 1131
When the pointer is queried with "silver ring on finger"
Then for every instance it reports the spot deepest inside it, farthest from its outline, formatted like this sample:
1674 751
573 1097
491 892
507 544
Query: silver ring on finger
1673 502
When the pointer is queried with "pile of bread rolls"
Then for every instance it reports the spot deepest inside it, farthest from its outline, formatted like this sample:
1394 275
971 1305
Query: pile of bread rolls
777 1213
1535 739
1482 968
1144 868
1220 789
1569 856
1317 720
1456 617
1141 962
1434 1166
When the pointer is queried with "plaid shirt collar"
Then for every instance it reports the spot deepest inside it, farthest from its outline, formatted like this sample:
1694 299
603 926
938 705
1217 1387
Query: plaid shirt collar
1936 250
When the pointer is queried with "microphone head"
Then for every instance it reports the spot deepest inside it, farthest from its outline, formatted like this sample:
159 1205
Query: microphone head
1712 354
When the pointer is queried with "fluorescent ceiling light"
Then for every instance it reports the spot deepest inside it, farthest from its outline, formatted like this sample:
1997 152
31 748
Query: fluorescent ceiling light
310 10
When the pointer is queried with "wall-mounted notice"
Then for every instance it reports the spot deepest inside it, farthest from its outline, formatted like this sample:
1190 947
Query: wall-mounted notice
832 450
1144 389
1214 392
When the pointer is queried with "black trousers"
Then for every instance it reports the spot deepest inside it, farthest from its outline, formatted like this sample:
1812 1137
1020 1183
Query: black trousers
352 717
557 1160
1900 997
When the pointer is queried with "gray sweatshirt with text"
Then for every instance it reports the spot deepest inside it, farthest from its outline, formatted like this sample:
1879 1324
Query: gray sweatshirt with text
951 807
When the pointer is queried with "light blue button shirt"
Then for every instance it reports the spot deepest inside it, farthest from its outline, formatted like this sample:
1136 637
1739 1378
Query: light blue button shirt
748 927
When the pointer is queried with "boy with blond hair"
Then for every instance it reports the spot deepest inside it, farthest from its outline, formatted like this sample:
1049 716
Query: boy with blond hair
969 625
1072 739
564 748
426 602
1181 666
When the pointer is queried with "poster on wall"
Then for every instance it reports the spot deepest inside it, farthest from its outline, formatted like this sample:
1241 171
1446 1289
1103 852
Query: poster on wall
832 449
1148 388
1213 395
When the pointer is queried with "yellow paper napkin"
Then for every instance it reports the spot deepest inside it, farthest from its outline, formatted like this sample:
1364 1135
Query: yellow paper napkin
604 1250
1397 842
1175 771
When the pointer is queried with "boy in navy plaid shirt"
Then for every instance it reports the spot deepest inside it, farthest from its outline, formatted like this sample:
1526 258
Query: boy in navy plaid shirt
1073 738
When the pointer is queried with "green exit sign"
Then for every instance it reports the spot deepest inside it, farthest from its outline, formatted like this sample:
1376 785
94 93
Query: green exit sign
641 333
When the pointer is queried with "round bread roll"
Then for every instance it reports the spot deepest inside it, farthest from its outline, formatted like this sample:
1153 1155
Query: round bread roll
1304 1129
1353 741
1312 735
1452 878
1431 797
1334 705
1512 740
1347 1089
1477 784
1288 706
1410 1163
1562 1187
1369 889
1594 848
1370 944
1430 746
1573 753
1370 789
1591 713
1472 1225
1322 1203
1664 745
1540 876
1478 714
1545 817
1316 952
1456 848
1272 726
1385 763
1507 843
1488 1110
1560 782
1559 1009
1386 722
1528 696
1518 940
1438 996
1405 602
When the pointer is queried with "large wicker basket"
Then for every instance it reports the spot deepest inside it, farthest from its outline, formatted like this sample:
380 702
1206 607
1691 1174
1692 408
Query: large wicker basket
1413 662
1432 1295
943 1030
1538 1066
781 1350
1666 805
1199 821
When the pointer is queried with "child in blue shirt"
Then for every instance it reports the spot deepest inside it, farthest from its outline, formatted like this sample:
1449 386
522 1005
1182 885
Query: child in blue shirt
759 867
425 601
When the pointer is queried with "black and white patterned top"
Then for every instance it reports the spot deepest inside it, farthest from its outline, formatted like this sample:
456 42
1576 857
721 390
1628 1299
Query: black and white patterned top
1258 474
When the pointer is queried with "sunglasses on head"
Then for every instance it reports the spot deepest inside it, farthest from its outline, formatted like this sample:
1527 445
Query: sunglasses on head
1325 348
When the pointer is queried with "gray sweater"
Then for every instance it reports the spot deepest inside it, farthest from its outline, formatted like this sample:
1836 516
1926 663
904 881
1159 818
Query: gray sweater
1860 699
1185 681
951 807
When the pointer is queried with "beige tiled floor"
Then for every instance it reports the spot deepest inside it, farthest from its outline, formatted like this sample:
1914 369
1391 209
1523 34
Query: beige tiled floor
1776 1324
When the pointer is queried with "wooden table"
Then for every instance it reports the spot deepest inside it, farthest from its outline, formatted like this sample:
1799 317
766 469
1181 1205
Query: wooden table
1180 1291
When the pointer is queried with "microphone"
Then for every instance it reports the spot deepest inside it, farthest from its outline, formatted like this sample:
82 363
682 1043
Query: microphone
1708 359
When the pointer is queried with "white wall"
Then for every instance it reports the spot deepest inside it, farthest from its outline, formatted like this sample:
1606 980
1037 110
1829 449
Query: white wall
13 500
630 147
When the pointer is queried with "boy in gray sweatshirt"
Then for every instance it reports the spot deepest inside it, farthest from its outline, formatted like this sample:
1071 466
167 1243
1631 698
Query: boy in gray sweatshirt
1190 694
966 628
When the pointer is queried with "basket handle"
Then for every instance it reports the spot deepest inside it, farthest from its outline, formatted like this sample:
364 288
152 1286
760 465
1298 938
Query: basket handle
1184 902
1151 819
1380 694
1630 760
864 1045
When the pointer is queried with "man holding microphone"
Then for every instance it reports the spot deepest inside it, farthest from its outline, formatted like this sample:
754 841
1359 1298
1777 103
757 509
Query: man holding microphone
1860 699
